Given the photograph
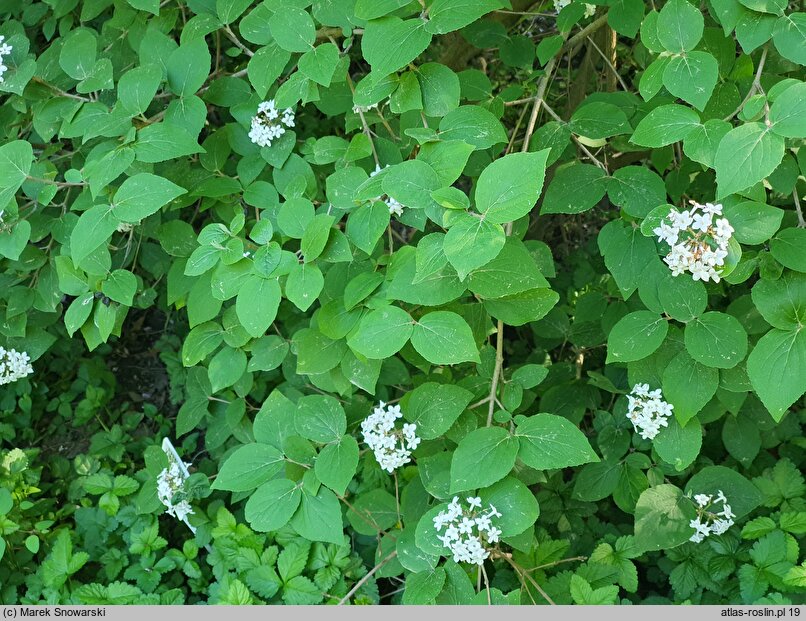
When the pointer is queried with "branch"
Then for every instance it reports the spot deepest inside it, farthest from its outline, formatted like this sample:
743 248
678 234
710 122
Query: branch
369 574
755 87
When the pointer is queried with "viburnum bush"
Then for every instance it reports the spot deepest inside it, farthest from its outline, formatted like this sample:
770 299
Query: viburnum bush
391 301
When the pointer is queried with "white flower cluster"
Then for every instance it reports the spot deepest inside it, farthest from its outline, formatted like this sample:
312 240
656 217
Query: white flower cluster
467 530
590 9
268 125
14 365
171 481
395 206
699 241
392 446
5 50
647 410
710 522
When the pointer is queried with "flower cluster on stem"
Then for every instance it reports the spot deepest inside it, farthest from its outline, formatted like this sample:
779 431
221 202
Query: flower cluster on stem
5 50
391 445
14 365
698 239
468 531
647 410
171 484
269 123
709 521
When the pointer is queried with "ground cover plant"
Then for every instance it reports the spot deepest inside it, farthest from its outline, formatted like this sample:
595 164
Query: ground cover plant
402 302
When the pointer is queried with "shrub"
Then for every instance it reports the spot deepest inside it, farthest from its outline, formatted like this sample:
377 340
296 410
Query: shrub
389 301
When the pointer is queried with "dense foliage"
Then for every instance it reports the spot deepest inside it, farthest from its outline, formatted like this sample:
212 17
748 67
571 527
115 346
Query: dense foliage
495 301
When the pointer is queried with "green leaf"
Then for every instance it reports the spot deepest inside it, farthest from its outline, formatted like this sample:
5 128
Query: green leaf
472 242
442 337
142 195
513 271
483 457
449 15
441 91
679 26
164 141
702 142
583 594
92 230
665 125
78 312
304 284
678 445
16 158
635 336
318 517
188 67
382 332
201 342
516 503
120 286
782 302
422 588
366 224
662 516
473 125
789 37
742 495
574 189
753 223
692 77
777 369
746 155
226 368
548 441
637 190
137 87
716 340
788 248
320 63
336 464
788 112
257 303
411 183
435 407
230 10
248 467
78 53
625 16
508 188
272 504
598 119
522 308
266 66
320 418
293 29
14 242
390 43
688 385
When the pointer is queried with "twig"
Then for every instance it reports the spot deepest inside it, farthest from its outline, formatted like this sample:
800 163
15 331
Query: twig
538 100
499 363
801 221
555 563
369 574
610 65
756 86
584 149
231 36
529 578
